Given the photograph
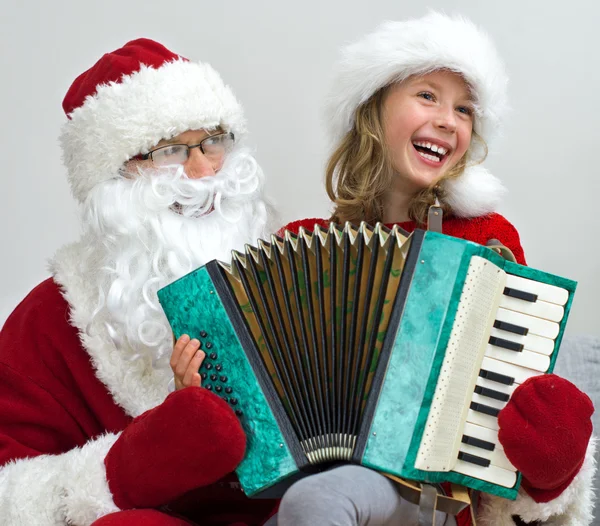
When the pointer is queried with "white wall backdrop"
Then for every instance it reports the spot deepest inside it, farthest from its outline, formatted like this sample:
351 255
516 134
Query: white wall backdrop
277 55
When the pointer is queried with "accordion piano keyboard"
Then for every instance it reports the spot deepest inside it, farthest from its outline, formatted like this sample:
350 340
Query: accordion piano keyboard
521 344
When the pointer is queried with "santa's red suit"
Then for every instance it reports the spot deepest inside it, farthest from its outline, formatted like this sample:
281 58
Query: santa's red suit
58 422
532 426
89 433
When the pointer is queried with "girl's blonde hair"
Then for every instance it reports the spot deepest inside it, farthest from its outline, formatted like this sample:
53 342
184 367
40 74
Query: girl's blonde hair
360 171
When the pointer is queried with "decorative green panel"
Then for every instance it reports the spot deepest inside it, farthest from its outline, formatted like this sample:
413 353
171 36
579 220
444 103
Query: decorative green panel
192 306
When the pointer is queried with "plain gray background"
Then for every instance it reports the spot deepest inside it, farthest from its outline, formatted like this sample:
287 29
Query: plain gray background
277 55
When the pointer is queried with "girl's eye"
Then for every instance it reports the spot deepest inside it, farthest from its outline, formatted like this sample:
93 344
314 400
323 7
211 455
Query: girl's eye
465 110
426 95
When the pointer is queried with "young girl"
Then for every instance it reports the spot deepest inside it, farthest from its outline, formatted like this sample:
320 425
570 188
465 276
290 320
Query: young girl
413 107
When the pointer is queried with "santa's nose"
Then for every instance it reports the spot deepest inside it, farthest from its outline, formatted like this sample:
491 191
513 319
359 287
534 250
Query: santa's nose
198 165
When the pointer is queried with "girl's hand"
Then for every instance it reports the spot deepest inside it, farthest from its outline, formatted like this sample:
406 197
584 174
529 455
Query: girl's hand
185 362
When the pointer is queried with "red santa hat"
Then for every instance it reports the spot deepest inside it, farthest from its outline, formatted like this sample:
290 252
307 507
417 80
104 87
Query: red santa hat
396 51
131 99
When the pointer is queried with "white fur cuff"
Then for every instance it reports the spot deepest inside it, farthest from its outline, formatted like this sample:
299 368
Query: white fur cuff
573 507
54 490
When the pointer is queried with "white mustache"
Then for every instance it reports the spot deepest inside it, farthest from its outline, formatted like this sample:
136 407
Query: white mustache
170 187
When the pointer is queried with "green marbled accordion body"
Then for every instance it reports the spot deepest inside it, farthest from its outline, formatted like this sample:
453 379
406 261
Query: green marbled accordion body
372 346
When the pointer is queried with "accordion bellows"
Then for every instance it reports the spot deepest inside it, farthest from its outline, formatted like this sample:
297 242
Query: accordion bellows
369 345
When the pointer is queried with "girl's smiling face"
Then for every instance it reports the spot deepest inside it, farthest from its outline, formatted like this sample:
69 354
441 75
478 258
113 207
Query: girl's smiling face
428 122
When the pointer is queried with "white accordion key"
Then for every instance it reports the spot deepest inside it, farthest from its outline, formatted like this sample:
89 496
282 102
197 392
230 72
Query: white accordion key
545 328
482 433
543 291
497 457
530 360
531 342
494 474
483 420
518 374
486 400
539 309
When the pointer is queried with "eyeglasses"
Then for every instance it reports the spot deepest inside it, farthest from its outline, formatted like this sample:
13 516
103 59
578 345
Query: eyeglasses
214 148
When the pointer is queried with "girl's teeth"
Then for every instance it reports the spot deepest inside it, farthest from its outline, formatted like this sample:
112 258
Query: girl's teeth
430 157
433 147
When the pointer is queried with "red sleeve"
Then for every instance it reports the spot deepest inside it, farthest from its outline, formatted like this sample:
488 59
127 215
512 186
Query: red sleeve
308 224
482 229
502 230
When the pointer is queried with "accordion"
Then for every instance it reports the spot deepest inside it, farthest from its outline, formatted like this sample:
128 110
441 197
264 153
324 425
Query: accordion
371 346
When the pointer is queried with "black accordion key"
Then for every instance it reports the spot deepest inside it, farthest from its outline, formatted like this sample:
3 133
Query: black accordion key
477 442
510 327
485 409
496 377
492 393
520 295
474 459
506 344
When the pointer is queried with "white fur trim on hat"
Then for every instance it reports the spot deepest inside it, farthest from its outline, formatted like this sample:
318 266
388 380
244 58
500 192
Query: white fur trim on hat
398 50
474 193
127 118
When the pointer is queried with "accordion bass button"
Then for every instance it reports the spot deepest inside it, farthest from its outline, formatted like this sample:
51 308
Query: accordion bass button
219 367
233 401
213 377
203 376
209 366
223 379
213 355
208 387
228 390
203 334
209 345
239 413
218 388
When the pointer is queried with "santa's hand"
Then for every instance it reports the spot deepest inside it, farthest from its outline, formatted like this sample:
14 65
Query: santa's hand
185 362
545 429
191 440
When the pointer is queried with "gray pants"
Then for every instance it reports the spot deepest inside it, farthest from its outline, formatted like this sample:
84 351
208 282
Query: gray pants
348 496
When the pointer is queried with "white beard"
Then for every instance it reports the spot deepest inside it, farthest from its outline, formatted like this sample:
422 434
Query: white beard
143 233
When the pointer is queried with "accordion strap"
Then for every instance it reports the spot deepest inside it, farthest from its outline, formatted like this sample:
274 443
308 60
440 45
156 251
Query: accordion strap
505 252
414 492
435 216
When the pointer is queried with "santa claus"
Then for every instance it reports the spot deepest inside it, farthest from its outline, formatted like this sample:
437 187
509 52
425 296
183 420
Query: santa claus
88 430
